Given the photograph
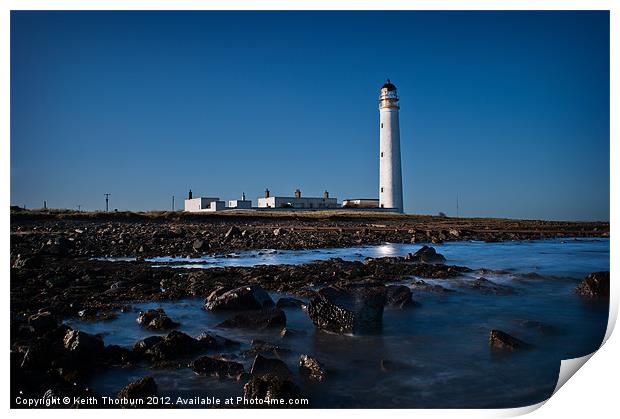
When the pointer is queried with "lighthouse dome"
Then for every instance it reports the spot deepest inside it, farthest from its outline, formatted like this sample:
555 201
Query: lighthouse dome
389 86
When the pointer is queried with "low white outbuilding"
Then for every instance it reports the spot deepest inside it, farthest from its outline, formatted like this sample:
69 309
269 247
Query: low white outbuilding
204 204
297 201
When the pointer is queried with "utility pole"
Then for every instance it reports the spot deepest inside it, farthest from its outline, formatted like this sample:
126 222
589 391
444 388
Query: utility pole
107 197
457 205
44 205
79 208
172 203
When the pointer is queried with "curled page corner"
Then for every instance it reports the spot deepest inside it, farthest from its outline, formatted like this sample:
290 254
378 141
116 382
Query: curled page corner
568 367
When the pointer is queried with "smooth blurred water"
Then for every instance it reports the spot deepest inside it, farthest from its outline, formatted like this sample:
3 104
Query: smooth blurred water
441 348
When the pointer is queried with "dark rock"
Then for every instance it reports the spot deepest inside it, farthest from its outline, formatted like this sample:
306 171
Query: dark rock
399 296
175 345
216 367
422 285
426 254
243 298
489 287
147 343
502 340
272 366
139 389
595 284
82 344
270 387
289 302
353 310
155 319
311 369
42 322
261 319
118 355
261 347
199 245
234 231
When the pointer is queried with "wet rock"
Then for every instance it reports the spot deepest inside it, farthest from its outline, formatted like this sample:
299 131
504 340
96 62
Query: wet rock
502 340
270 366
82 344
270 387
175 345
243 298
42 322
489 287
422 285
155 319
278 231
147 343
118 355
216 367
211 340
311 369
595 284
426 254
289 302
399 296
139 389
263 348
355 310
261 319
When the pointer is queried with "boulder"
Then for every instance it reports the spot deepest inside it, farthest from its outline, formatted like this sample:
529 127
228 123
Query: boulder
261 319
199 245
139 389
311 369
175 345
426 254
243 298
270 387
261 347
147 343
270 366
355 310
287 333
155 319
595 284
216 367
502 340
399 296
82 344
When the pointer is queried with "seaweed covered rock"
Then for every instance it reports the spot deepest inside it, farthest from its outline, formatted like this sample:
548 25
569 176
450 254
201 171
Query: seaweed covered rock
82 344
399 296
595 284
273 366
355 309
243 298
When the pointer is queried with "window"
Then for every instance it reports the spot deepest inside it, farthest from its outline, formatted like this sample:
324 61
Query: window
382 154
382 125
381 205
382 189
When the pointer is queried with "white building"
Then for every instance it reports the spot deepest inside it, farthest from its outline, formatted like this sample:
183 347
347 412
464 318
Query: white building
240 203
203 204
297 201
360 203
390 176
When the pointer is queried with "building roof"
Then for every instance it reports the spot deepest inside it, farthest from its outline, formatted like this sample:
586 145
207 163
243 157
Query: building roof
388 85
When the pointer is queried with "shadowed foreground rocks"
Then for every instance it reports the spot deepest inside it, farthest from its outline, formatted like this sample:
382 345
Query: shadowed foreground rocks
595 284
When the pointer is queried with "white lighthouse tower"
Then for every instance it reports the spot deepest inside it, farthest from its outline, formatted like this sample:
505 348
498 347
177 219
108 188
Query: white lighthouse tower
390 176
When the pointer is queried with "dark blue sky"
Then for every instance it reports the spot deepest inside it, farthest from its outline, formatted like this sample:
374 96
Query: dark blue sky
508 109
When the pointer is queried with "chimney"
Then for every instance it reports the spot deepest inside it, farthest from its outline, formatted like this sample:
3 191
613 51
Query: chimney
266 193
325 195
243 196
190 194
297 193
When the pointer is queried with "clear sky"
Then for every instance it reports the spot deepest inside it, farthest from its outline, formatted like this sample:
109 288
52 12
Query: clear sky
508 110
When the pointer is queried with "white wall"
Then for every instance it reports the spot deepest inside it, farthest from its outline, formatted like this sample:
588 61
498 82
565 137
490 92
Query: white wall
390 176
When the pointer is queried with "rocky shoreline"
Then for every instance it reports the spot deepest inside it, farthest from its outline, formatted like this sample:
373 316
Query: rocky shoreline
53 277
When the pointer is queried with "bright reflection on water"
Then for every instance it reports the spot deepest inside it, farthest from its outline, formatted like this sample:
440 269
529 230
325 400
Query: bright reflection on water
440 347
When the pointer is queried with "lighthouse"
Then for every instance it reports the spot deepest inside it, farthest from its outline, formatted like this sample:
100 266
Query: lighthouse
390 175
